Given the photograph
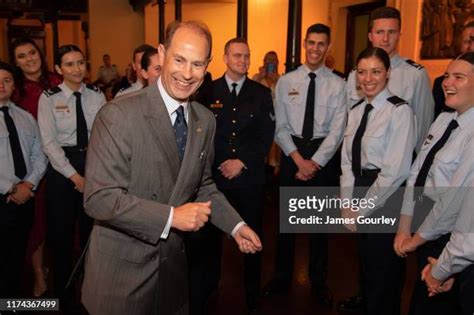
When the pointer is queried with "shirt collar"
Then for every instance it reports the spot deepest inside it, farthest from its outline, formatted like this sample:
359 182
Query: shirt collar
465 119
8 104
395 60
138 84
229 82
380 99
170 103
318 72
68 92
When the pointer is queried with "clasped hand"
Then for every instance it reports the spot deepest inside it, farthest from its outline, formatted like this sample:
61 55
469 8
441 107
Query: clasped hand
21 193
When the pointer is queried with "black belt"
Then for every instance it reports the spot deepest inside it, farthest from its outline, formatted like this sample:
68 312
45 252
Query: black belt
74 149
370 173
301 142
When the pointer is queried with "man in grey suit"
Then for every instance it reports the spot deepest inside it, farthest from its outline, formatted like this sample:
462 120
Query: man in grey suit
148 180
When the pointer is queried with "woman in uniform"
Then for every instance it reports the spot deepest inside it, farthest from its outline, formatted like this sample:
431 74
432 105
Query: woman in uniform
442 166
376 155
65 117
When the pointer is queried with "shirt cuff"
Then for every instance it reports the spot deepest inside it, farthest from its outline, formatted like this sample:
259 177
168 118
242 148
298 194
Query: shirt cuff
237 227
439 273
166 230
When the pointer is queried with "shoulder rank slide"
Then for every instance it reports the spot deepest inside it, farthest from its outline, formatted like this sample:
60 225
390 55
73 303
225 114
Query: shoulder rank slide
414 64
397 101
52 91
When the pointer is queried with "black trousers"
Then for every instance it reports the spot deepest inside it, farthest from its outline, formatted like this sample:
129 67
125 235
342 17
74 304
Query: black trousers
64 211
318 251
204 250
466 290
15 224
249 204
440 304
381 270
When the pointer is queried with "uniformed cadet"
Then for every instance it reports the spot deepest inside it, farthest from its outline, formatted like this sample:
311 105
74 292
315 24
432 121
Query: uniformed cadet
408 79
245 128
22 165
107 72
136 64
310 118
443 164
65 117
456 262
376 158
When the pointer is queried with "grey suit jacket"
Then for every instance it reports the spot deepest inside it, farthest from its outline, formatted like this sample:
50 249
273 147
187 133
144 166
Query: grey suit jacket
133 177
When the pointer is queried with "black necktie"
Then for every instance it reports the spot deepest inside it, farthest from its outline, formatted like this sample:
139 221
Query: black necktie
233 93
308 123
17 154
180 129
357 142
81 124
425 168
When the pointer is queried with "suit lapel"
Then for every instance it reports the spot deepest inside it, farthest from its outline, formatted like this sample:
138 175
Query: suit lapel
159 122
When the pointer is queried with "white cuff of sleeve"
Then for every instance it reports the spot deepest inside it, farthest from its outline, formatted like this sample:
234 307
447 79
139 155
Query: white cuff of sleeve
166 230
237 227
439 273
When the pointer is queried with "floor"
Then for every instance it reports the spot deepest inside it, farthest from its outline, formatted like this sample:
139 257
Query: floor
342 277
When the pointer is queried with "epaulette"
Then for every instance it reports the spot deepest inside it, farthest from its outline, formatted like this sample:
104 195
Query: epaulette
397 101
93 87
414 64
357 104
52 91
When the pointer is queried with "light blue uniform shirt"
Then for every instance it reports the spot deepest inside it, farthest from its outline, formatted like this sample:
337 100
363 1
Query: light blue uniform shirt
387 144
452 166
30 143
58 125
330 111
458 253
410 82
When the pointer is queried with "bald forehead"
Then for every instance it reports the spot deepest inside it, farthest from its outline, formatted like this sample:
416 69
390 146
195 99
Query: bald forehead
191 30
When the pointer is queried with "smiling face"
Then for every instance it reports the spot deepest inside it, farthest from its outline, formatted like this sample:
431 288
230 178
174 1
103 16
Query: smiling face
372 76
385 34
316 46
73 69
7 85
237 60
28 59
458 85
184 63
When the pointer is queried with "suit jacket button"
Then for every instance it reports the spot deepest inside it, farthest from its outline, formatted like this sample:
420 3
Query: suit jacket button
154 196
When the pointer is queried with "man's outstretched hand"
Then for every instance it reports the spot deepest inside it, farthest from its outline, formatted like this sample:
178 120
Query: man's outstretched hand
248 240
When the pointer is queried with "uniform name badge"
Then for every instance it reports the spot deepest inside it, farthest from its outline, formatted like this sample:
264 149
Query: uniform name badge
293 93
217 104
61 108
